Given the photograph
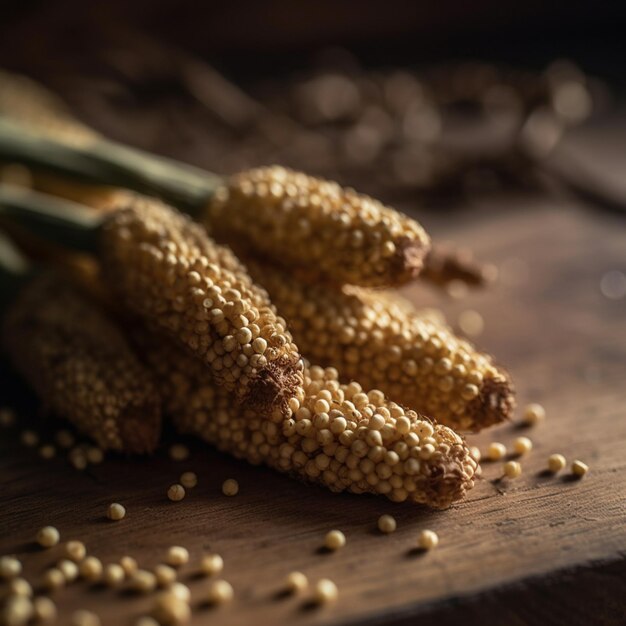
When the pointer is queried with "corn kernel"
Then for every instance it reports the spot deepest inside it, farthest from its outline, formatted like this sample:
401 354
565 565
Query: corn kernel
177 556
220 592
53 579
114 575
211 564
579 468
44 610
189 480
230 487
179 452
91 569
296 582
129 565
171 610
116 511
496 451
48 537
512 469
325 591
556 462
533 414
143 581
427 540
20 587
75 550
176 493
85 618
386 524
165 575
10 567
334 540
522 445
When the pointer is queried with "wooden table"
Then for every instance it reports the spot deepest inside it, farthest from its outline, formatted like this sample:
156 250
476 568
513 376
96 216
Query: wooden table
537 550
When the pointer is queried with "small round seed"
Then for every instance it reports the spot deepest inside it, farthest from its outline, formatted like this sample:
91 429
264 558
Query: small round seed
165 575
230 487
116 511
189 480
94 455
20 587
211 564
220 592
29 438
91 569
47 451
387 524
129 565
179 452
44 610
113 575
579 468
53 579
475 453
296 582
176 493
522 445
427 540
534 413
170 610
325 591
48 537
556 462
177 556
69 569
10 567
180 591
75 550
143 581
496 451
17 611
334 540
85 618
512 469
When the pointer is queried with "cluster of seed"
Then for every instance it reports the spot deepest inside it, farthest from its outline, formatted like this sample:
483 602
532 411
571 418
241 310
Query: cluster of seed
169 271
371 338
335 232
82 366
331 433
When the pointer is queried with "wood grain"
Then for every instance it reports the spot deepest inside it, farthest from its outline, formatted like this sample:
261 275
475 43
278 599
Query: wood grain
537 550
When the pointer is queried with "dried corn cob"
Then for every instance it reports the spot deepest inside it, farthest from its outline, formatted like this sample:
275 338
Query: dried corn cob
333 434
315 223
170 272
371 338
81 365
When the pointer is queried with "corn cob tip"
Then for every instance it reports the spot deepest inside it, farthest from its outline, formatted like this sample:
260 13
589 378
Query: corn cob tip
495 401
408 259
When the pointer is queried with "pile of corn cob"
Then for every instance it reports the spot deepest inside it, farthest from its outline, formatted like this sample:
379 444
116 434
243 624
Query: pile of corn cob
290 358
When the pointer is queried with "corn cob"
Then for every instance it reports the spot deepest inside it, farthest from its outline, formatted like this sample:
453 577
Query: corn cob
315 223
80 364
369 337
332 434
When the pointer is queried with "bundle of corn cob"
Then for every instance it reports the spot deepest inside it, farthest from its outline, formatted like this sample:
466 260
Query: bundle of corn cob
81 366
333 434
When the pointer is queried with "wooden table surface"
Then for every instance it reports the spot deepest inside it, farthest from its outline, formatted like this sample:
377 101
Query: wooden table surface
537 550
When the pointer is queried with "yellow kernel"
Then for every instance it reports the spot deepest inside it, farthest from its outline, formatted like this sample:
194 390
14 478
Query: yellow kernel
170 610
180 591
69 569
116 511
10 567
556 462
179 452
211 564
29 438
113 575
189 480
230 487
177 556
496 451
94 455
325 591
579 468
53 579
512 469
48 536
129 565
334 540
143 581
296 582
44 610
165 575
176 493
522 445
220 592
17 611
534 413
85 618
47 451
427 540
91 569
475 453
75 550
20 587
386 524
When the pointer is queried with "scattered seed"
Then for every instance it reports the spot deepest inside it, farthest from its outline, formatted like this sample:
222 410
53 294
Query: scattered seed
212 564
179 452
48 536
512 469
579 468
522 445
220 592
47 452
143 581
177 556
334 540
116 511
44 610
17 611
54 579
129 565
496 451
176 493
114 575
180 591
69 569
428 539
10 567
533 414
556 462
94 455
296 582
29 438
170 610
20 587
91 569
165 575
325 591
85 618
189 480
75 550
471 323
230 487
78 459
387 524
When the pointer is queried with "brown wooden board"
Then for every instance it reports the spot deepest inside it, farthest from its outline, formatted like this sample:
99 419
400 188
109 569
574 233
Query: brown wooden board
537 550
